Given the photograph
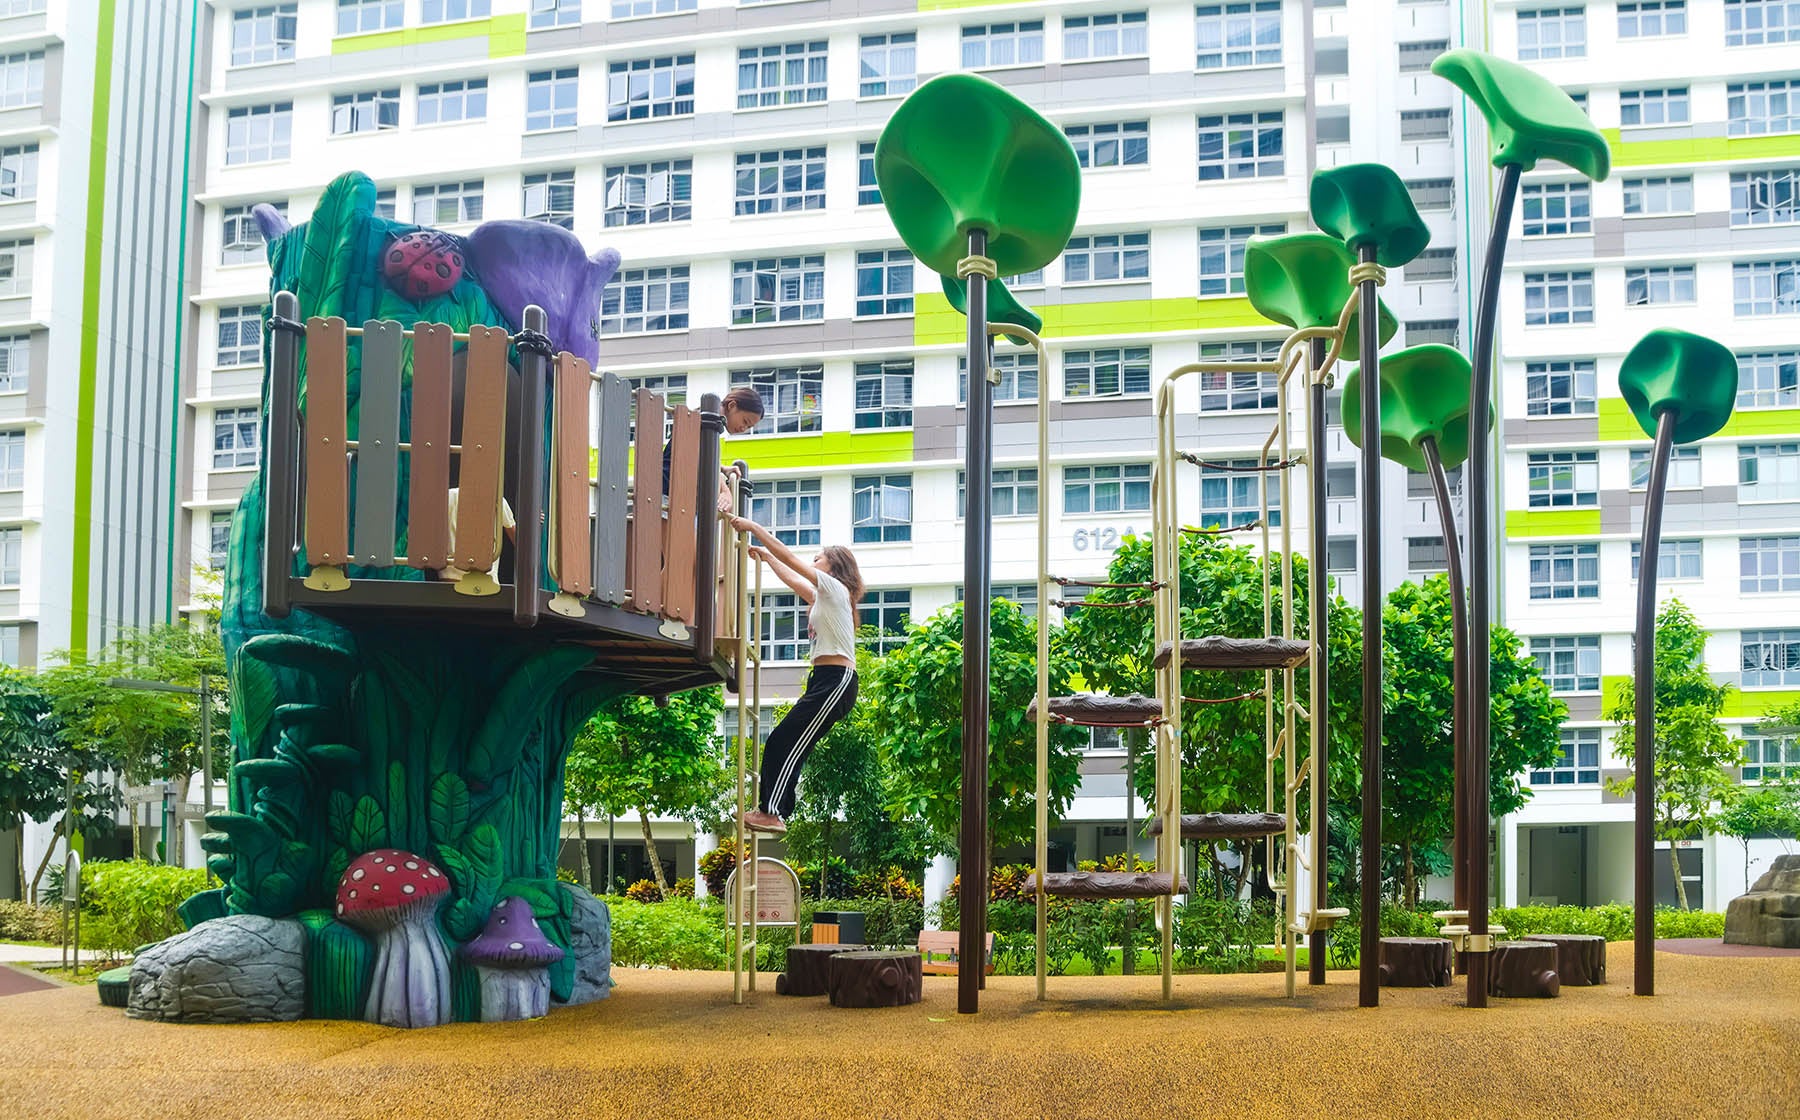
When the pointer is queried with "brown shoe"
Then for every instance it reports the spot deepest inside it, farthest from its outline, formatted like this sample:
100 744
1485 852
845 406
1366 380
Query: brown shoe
759 821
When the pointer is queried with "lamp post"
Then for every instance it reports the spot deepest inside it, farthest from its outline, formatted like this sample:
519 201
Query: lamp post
204 696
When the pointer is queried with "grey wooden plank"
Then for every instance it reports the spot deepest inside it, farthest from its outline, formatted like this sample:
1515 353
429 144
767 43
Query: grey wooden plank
378 444
646 506
610 506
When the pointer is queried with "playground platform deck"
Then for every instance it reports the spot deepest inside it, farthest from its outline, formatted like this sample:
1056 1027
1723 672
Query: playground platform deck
1719 1041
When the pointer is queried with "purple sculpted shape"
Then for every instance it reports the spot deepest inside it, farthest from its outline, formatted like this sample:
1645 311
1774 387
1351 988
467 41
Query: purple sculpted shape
523 262
269 220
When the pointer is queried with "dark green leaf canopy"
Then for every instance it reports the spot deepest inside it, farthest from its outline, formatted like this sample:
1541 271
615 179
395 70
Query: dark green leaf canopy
1424 395
1303 280
1367 204
1529 117
1687 374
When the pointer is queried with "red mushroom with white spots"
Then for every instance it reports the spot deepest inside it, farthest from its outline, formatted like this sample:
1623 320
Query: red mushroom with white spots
393 896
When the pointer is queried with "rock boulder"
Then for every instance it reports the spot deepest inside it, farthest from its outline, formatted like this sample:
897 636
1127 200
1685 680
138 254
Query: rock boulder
241 968
590 942
1770 913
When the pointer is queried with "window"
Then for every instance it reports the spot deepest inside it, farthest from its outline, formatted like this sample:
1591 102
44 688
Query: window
1106 373
1126 144
671 386
778 290
386 204
1024 280
263 34
1766 287
1769 379
1770 658
1675 559
1768 472
550 99
643 193
1331 59
554 13
1023 594
1417 57
449 11
886 612
646 299
1003 44
789 507
881 508
1431 265
1222 256
1018 377
784 628
889 64
1757 108
1432 194
1771 759
868 192
1441 331
447 102
1665 195
549 197
259 133
1340 554
1768 564
1684 468
357 16
1558 298
1750 23
884 282
12 460
1107 257
1229 495
1110 489
218 539
1340 483
1761 198
1426 554
1568 664
1419 484
21 80
1555 209
784 74
650 88
1646 107
1560 388
631 9
1240 146
1647 19
1578 760
240 335
1239 392
241 239
1104 36
884 394
790 396
236 439
15 362
447 203
1565 571
1661 284
1332 124
12 547
1562 479
1424 124
368 111
1014 494
780 182
1244 34
1552 33
18 173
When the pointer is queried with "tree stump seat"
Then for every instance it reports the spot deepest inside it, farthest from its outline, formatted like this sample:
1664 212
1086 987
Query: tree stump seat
809 969
1580 957
1415 962
1523 969
873 978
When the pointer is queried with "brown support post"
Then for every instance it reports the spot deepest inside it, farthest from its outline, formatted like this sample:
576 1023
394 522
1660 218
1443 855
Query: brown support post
1369 478
977 607
281 466
1318 609
706 542
1643 730
528 545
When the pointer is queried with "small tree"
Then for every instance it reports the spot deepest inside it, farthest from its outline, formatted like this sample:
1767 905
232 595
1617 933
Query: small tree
1751 812
1693 751
40 766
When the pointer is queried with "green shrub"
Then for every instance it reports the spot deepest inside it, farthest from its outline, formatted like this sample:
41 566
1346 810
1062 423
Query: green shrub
1671 922
679 933
127 903
681 888
21 921
644 890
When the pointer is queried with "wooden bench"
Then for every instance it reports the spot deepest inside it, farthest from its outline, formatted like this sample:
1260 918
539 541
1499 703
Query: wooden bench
948 943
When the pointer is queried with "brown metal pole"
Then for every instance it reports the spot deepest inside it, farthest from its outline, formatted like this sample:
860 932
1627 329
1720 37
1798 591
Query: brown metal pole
1643 683
1459 670
1318 941
979 472
706 531
1369 986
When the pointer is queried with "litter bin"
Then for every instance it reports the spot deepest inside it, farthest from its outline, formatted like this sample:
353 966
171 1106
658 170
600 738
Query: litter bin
842 927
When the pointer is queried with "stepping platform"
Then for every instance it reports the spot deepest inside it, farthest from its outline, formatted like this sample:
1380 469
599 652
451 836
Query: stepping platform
809 969
114 986
1107 884
1314 921
1235 653
1415 962
1580 957
1098 709
1524 969
871 978
1225 826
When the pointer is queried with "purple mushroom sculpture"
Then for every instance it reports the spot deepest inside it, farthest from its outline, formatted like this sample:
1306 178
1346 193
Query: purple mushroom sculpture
393 896
512 958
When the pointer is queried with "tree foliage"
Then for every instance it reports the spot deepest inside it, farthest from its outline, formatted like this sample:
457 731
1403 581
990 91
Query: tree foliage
1751 812
37 763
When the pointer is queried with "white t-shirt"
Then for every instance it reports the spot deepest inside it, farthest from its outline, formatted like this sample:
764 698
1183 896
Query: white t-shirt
505 521
831 624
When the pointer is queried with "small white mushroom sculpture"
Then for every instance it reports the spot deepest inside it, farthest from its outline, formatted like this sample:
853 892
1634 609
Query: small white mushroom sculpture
393 896
512 957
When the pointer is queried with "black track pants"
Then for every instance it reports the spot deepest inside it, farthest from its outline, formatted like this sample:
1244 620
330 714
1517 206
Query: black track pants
830 694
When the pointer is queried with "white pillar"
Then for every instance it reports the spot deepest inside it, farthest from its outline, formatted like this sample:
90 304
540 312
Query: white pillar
703 842
938 874
1506 876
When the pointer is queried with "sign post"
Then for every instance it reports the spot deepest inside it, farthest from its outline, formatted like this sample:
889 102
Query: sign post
776 900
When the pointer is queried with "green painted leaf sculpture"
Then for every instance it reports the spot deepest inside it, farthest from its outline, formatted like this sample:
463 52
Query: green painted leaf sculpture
1687 374
1529 117
1367 204
1303 280
1424 395
961 153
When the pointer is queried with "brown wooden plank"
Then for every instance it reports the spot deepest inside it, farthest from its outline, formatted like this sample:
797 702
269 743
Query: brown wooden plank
612 485
483 436
678 555
569 500
646 507
427 517
377 502
324 436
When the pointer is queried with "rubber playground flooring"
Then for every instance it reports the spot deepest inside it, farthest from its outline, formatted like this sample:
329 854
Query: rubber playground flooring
1721 1039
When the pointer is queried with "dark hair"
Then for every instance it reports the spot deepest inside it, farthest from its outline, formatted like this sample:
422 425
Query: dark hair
842 564
744 399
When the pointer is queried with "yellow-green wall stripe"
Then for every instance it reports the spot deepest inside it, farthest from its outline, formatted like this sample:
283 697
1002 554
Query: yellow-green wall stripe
505 35
936 323
1699 149
1552 522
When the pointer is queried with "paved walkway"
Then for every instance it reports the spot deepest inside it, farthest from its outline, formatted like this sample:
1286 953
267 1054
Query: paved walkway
1713 947
18 981
29 954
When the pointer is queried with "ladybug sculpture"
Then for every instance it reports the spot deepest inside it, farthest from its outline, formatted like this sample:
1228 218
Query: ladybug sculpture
422 264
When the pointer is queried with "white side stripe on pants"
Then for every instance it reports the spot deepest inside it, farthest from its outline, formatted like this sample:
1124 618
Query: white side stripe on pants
805 742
